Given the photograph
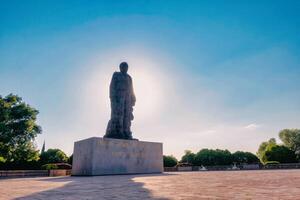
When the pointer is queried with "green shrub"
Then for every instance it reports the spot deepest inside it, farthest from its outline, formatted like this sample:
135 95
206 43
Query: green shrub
53 156
32 165
279 153
2 160
241 157
188 157
170 161
49 166
271 162
211 157
70 159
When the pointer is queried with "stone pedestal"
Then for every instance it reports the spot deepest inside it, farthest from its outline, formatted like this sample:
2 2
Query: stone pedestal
103 156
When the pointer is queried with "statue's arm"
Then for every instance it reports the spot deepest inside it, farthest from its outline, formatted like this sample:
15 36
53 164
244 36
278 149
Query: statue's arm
133 99
112 86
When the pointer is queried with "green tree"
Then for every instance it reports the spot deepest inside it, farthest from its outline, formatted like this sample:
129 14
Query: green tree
188 157
291 139
210 157
18 129
278 153
27 152
53 156
170 161
263 147
2 160
70 160
43 148
241 157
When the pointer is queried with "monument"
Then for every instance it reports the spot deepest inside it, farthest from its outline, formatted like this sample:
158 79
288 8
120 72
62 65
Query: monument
122 99
117 152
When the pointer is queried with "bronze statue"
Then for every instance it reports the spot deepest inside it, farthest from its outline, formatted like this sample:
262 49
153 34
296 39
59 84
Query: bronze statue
122 100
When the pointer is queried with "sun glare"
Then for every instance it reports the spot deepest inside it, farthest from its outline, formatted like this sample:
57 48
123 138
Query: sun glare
148 88
148 82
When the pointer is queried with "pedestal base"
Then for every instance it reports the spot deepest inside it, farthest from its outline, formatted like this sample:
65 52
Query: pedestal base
103 156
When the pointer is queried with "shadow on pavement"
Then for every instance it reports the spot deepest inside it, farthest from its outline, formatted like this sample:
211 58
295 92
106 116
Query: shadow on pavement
96 187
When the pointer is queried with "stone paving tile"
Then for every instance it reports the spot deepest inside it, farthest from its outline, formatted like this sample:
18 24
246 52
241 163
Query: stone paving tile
263 184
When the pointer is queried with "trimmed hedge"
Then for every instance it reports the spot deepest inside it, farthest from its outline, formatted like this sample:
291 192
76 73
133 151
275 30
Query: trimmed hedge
49 166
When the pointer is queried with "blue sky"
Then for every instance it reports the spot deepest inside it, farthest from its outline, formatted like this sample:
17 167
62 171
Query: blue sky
207 74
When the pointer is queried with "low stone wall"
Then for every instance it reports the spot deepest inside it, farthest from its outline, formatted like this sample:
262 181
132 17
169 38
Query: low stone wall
33 173
60 172
239 167
219 167
282 166
183 169
170 169
23 173
249 167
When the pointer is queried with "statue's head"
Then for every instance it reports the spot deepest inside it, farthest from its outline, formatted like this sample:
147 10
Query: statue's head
123 67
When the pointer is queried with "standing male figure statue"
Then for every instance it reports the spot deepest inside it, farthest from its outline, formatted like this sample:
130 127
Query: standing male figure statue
122 100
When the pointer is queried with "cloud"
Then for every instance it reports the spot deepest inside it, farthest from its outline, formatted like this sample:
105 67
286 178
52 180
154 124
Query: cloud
252 126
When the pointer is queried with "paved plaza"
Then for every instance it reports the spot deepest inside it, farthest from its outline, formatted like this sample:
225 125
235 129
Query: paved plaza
263 184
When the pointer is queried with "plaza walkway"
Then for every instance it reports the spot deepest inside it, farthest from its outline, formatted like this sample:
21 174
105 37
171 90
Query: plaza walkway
272 184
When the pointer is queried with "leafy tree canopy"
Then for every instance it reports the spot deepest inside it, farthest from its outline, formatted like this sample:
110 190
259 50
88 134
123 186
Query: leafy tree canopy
169 161
2 160
291 139
53 156
278 153
70 159
18 129
241 157
210 157
188 157
263 147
